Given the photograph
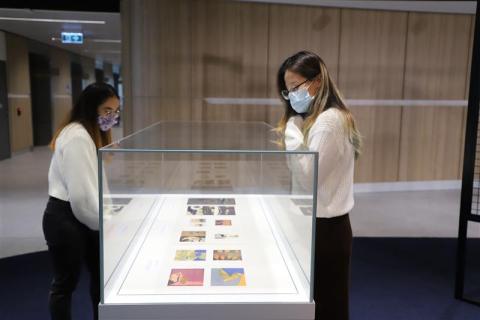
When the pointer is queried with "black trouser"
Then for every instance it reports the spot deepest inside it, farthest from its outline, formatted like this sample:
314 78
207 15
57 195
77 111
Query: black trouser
71 244
333 250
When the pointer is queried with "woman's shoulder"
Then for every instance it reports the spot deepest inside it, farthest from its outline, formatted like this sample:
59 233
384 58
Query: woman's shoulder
74 132
330 119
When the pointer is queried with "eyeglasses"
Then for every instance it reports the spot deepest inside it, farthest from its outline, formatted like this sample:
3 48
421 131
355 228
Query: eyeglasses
116 113
285 92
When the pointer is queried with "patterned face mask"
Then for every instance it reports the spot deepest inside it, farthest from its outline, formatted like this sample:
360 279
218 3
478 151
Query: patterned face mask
106 122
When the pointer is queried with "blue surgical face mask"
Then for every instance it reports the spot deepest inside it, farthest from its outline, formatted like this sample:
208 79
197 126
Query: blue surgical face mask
300 100
106 122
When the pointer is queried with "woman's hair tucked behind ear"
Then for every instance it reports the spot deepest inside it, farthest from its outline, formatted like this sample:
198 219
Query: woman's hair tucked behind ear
311 66
85 112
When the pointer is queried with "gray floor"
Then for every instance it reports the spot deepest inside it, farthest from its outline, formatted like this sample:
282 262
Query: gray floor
23 195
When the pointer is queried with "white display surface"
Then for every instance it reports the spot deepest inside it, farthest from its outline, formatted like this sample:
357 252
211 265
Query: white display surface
271 272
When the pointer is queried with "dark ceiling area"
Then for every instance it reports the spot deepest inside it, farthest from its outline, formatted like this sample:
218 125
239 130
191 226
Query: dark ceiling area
92 6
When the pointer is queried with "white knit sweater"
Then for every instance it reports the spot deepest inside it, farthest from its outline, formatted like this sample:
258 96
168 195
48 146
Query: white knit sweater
73 174
336 159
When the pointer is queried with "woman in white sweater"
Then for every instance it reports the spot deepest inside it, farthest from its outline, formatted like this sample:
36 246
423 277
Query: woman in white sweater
71 218
316 118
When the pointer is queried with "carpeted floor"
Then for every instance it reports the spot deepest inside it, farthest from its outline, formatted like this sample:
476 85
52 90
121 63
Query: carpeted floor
392 279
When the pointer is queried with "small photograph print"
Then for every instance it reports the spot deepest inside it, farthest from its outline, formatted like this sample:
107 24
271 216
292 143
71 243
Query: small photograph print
225 235
211 201
193 236
198 222
191 255
307 211
228 277
226 211
303 202
201 210
186 277
231 255
223 222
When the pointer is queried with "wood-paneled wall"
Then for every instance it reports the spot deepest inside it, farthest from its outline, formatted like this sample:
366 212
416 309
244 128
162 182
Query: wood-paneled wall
177 53
435 68
371 64
18 86
229 57
61 86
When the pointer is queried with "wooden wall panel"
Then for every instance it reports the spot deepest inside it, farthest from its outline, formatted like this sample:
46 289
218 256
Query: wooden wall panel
177 53
61 86
295 28
18 86
161 54
436 67
371 64
229 56
126 17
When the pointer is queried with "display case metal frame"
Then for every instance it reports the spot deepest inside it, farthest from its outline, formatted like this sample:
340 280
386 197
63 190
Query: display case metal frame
210 311
470 196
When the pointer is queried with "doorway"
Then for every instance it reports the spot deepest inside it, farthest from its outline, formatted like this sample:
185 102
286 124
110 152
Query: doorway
4 121
76 72
41 99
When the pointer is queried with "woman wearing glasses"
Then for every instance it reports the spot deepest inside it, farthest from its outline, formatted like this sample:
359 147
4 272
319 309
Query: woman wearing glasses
71 218
316 118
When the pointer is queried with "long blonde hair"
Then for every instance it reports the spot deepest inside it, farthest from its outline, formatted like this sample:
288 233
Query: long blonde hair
311 66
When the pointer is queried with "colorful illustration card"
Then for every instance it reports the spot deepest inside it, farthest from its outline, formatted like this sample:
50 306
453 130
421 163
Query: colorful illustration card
201 210
226 211
211 201
228 277
193 236
225 235
198 222
186 277
232 255
191 255
223 222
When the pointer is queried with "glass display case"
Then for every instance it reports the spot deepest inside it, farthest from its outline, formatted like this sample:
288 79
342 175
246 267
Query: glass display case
206 221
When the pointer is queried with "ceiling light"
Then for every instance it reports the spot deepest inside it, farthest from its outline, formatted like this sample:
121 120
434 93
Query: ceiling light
105 40
53 20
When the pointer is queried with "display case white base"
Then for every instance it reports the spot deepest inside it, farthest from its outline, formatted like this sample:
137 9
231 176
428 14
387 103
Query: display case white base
234 311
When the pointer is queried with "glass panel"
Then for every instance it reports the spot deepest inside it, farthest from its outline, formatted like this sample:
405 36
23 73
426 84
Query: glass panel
206 226
251 136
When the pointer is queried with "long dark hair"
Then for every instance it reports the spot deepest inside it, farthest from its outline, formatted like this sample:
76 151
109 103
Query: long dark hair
85 112
311 66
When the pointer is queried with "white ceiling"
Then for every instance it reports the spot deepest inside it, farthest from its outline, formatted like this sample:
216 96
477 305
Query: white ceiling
94 33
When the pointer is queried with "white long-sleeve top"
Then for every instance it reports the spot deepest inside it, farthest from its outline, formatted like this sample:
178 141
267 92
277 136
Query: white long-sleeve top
336 157
73 174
